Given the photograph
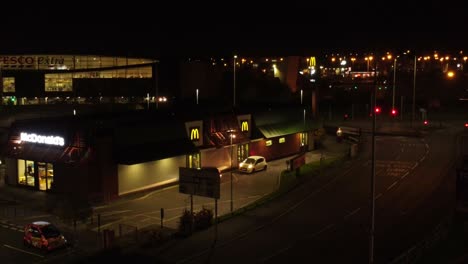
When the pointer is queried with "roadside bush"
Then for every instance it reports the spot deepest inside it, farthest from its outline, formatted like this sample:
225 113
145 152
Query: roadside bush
203 219
186 223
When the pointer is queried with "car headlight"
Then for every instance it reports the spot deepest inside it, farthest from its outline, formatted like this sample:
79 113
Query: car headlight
241 164
250 166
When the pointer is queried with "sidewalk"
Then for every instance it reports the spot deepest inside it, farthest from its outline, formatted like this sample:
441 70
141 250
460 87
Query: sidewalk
20 206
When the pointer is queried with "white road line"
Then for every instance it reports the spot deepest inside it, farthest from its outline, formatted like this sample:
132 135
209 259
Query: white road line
391 186
37 216
352 213
378 196
24 251
404 175
115 212
324 229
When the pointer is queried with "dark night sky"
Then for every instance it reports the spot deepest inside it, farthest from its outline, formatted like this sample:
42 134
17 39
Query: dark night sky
129 28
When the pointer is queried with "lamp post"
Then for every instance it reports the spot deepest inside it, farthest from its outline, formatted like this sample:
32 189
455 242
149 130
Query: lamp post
414 92
372 182
232 200
394 79
234 82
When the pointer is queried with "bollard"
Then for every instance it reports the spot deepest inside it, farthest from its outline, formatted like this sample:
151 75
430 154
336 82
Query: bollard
162 218
99 223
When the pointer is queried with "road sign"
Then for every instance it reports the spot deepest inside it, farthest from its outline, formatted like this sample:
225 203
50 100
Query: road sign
202 182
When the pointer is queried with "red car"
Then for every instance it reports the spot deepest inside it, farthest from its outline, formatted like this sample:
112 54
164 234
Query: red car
43 235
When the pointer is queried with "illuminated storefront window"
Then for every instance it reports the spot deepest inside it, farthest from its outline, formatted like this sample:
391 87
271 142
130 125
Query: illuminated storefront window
30 173
304 139
66 62
194 161
242 152
45 173
8 84
26 173
58 82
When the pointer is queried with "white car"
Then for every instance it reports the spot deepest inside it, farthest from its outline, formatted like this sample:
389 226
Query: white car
253 163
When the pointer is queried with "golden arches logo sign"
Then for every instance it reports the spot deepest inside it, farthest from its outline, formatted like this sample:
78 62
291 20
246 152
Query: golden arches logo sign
245 126
312 62
194 134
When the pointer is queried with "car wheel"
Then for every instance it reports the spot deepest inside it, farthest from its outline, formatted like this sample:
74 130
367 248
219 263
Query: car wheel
45 250
26 243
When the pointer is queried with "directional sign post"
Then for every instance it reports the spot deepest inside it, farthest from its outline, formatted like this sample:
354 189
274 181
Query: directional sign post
202 182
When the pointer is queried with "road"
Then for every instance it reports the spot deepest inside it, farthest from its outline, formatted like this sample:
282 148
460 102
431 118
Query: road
326 220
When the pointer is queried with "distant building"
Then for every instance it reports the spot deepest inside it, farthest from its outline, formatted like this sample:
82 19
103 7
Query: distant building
46 79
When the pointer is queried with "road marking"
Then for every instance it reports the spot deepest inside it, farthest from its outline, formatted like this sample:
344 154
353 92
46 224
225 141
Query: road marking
352 213
37 216
404 175
24 251
415 165
115 212
421 160
391 186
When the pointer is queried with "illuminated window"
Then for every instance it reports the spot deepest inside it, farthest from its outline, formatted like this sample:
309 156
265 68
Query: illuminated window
194 160
26 170
304 139
242 152
268 143
58 82
282 140
9 84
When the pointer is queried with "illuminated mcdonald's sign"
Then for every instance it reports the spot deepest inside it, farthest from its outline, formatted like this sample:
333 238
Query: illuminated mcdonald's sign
245 126
312 62
194 134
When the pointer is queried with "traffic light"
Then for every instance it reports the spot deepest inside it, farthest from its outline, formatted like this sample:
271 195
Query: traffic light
394 112
377 110
426 122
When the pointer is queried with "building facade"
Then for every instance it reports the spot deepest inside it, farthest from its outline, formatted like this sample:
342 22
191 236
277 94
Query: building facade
48 79
102 158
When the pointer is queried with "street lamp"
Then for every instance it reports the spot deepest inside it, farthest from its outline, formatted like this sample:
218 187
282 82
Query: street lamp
368 59
234 81
231 136
414 92
394 79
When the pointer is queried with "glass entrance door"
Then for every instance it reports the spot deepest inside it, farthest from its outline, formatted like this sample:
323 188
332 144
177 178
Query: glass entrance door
42 175
45 173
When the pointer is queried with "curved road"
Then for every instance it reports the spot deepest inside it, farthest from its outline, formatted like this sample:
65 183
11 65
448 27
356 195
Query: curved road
326 219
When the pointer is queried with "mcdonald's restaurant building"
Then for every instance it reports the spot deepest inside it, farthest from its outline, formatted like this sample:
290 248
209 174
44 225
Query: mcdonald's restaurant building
102 158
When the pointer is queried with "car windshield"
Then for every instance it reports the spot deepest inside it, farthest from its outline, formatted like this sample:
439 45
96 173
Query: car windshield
50 231
249 161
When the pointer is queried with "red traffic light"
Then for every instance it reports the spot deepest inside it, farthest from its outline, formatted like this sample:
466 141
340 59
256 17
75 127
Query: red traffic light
394 111
426 122
466 125
378 110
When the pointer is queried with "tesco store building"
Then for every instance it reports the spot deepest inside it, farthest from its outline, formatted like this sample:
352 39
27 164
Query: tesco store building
45 79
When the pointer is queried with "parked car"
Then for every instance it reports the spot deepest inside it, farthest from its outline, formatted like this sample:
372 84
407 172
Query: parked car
43 235
253 163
